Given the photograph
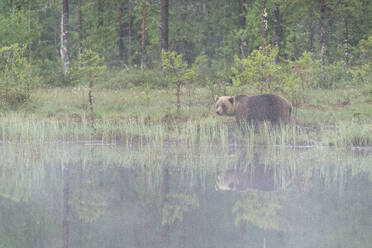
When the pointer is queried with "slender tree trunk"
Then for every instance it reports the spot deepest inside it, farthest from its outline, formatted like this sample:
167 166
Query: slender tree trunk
90 98
121 34
81 202
266 27
346 43
130 9
65 46
122 200
277 32
29 29
243 26
143 43
296 52
242 12
311 26
144 208
65 205
178 97
323 48
101 8
164 193
80 27
164 24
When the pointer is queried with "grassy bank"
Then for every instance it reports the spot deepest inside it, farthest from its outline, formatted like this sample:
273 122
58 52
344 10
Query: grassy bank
339 117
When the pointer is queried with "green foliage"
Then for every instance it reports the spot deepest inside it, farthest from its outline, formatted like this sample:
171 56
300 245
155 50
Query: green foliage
177 206
202 69
51 73
89 67
15 28
176 70
300 75
362 73
253 34
89 203
260 209
336 75
124 79
16 78
258 73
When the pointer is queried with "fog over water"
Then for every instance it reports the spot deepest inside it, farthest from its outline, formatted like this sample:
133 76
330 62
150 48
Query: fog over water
182 195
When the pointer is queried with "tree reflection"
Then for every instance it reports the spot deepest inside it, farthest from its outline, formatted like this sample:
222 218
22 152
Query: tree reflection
65 204
278 199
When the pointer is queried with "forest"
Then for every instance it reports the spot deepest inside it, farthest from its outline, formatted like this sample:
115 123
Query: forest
105 59
109 135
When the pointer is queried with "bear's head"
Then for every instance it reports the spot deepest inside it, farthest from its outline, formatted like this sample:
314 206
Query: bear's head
224 105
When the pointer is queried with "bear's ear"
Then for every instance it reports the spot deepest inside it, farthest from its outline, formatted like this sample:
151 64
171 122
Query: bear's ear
216 98
231 99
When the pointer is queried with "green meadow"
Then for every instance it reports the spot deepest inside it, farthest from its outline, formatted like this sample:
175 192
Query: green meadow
341 117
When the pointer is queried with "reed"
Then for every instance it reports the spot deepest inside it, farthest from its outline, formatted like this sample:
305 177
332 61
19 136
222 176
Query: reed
194 133
136 117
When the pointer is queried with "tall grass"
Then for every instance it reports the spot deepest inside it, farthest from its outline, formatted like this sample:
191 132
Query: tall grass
349 134
193 133
136 117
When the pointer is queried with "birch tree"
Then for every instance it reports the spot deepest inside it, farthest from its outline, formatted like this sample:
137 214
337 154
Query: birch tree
277 29
80 27
243 26
265 25
65 46
323 24
143 39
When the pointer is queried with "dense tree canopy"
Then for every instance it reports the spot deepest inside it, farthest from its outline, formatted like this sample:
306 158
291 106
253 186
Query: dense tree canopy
128 31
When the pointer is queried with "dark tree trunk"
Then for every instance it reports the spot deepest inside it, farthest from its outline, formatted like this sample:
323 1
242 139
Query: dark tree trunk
29 29
277 30
311 26
164 24
242 12
144 208
121 34
65 46
296 52
81 202
65 205
178 96
91 102
164 193
143 43
243 25
346 43
80 27
101 8
130 9
323 33
266 27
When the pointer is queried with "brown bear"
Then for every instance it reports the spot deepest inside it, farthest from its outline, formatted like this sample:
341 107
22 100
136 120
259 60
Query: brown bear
254 109
254 177
252 173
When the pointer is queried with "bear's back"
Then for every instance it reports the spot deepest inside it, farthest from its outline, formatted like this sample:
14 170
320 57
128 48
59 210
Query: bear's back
266 107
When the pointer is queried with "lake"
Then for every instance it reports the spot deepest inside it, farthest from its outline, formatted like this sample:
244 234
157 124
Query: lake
174 194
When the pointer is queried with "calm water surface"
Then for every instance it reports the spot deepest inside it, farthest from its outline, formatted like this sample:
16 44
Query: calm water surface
173 195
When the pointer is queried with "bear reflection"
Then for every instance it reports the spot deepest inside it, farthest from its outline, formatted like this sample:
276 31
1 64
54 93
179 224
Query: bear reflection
254 177
250 176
